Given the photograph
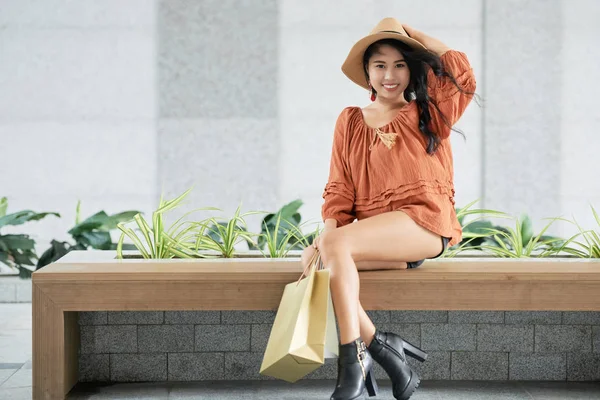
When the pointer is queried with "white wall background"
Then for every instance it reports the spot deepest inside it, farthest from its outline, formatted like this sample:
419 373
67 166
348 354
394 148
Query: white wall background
579 160
77 109
111 101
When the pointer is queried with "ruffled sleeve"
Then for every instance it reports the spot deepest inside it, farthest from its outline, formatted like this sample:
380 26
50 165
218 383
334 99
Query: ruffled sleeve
339 191
450 100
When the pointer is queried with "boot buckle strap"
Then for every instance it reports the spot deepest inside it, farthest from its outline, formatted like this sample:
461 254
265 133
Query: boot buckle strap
361 355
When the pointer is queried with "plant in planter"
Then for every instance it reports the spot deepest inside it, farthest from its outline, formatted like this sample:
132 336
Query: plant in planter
18 251
215 237
281 233
499 241
591 247
289 224
223 236
279 244
93 232
521 241
476 230
179 241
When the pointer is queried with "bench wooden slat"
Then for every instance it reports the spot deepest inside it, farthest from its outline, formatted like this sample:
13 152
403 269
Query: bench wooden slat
484 269
450 295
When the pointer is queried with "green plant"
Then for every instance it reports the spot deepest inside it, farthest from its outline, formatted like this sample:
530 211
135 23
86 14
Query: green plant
307 240
591 247
476 230
222 236
93 232
278 246
158 242
18 250
288 228
521 241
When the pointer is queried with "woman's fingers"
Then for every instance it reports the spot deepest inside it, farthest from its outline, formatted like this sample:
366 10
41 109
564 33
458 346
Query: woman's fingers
307 254
412 32
408 29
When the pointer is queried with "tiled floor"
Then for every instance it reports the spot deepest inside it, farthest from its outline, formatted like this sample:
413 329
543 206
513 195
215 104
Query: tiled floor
15 380
308 390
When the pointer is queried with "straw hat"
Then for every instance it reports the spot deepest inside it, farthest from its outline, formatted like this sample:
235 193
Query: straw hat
387 28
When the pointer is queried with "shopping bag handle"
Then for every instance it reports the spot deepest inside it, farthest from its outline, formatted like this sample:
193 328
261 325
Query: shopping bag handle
314 260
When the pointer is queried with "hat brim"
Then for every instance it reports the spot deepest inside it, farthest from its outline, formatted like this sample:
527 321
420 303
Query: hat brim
353 66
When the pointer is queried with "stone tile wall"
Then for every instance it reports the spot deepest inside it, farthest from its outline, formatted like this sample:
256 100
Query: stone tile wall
229 345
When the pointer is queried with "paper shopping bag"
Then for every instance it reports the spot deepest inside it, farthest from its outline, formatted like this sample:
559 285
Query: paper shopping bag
304 330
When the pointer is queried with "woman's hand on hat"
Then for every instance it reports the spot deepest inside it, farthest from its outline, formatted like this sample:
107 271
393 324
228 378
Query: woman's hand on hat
431 43
412 32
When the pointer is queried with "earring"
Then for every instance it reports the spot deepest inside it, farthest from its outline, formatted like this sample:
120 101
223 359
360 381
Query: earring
372 91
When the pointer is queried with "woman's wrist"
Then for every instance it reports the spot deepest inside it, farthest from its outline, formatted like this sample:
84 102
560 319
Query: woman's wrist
440 50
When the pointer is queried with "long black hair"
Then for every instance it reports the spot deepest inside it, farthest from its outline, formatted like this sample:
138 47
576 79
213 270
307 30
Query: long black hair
418 62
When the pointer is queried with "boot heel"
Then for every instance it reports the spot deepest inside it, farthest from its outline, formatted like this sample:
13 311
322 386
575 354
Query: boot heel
371 384
414 351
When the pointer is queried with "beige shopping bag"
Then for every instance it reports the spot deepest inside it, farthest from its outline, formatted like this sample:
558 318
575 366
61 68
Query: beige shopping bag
304 332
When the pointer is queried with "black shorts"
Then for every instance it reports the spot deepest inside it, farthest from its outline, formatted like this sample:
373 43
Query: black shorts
415 264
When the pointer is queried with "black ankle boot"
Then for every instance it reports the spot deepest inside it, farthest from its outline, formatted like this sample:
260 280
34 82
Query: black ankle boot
355 372
400 344
388 350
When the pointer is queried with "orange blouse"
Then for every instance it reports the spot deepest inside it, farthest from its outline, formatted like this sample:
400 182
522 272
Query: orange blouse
364 182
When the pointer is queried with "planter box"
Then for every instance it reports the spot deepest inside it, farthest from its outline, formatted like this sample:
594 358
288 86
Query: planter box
101 319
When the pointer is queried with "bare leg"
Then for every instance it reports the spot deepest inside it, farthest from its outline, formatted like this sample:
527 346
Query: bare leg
388 237
345 287
392 238
367 328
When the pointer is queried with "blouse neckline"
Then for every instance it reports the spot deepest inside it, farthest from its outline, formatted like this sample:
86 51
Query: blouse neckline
401 110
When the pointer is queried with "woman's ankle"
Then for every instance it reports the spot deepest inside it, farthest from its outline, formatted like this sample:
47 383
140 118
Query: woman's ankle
368 339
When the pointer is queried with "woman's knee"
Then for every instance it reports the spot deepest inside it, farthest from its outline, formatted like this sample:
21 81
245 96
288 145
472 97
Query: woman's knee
332 246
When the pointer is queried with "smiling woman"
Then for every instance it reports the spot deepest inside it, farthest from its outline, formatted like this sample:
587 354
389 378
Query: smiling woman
392 170
387 69
397 74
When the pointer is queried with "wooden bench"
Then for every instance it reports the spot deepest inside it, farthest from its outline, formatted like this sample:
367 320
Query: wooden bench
95 281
